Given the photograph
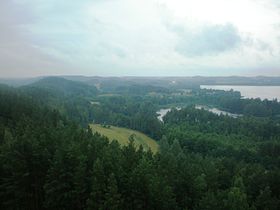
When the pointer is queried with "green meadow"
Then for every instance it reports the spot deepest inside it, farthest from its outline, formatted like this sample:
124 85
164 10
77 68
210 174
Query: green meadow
122 136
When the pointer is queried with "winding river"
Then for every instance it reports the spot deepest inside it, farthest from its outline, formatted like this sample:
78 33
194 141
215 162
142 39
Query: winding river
162 112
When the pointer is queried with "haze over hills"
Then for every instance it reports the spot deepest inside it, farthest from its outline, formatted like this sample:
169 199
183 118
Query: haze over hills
155 81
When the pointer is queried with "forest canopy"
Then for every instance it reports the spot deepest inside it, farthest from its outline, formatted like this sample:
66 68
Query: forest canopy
50 158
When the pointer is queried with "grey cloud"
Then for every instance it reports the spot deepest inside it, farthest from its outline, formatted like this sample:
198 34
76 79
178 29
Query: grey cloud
11 18
276 3
65 36
11 14
119 52
17 53
263 46
258 44
103 49
208 40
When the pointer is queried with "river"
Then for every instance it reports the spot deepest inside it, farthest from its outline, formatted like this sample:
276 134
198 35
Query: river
162 112
217 111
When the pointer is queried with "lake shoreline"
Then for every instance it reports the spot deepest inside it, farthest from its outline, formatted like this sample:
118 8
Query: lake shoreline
249 91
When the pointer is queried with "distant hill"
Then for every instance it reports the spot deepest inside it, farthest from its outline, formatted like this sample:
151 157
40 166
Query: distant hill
238 80
17 82
114 83
64 86
124 83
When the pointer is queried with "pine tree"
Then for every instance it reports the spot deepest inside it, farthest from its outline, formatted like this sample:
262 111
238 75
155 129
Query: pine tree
98 186
112 197
209 202
59 187
265 201
81 184
237 198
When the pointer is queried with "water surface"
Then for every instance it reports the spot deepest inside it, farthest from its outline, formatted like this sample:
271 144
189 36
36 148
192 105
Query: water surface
162 112
262 92
217 111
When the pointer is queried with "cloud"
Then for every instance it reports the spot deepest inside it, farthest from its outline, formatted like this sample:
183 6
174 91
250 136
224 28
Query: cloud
207 40
19 56
131 37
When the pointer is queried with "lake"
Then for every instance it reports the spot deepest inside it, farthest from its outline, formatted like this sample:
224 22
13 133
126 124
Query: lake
262 92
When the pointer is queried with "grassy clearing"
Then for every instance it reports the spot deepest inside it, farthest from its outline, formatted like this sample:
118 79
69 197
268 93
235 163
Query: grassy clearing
122 136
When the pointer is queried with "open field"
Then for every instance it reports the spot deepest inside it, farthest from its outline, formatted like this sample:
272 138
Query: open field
122 136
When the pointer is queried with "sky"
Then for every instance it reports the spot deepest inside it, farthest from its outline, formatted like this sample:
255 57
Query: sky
139 38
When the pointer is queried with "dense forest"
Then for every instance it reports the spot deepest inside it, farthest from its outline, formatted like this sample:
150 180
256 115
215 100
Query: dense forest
51 159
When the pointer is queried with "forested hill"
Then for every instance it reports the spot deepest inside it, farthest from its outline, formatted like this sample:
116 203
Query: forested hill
47 162
65 87
70 98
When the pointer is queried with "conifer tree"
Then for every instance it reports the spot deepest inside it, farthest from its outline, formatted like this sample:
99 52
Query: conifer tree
112 197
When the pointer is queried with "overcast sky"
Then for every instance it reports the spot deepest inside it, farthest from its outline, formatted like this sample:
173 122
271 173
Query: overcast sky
139 37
